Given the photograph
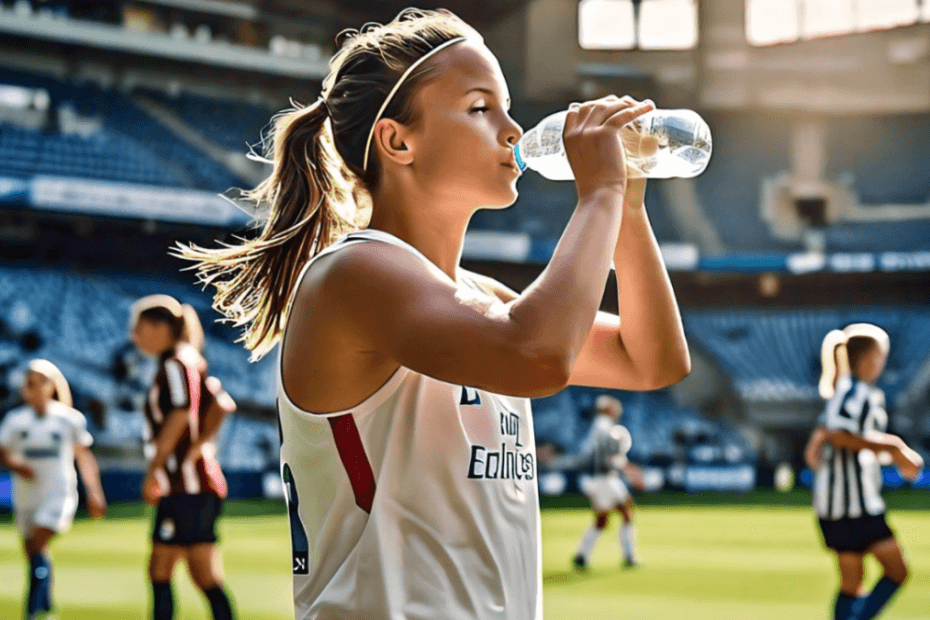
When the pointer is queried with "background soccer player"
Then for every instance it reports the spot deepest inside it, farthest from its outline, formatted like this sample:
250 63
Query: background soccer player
845 454
603 456
183 412
39 443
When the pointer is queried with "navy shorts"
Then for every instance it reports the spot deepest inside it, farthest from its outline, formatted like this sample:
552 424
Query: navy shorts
855 535
187 519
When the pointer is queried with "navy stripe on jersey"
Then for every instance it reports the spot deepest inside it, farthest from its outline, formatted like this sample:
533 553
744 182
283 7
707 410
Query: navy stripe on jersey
42 453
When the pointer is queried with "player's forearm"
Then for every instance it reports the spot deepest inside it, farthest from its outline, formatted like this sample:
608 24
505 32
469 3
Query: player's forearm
90 472
559 308
650 323
168 439
814 446
875 441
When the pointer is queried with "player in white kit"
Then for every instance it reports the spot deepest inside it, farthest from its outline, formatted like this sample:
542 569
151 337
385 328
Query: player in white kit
602 457
408 451
845 452
39 443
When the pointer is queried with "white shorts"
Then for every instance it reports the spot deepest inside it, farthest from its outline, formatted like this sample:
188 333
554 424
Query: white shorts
606 491
56 514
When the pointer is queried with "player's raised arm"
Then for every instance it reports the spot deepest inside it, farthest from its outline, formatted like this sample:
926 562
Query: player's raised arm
416 315
644 347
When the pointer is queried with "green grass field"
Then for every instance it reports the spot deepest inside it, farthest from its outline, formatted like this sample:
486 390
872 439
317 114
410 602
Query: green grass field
747 560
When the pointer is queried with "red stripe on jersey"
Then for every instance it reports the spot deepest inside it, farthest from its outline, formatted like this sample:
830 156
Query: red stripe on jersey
212 477
354 459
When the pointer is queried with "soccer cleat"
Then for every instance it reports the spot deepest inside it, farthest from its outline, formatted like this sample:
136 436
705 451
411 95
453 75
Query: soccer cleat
579 562
628 563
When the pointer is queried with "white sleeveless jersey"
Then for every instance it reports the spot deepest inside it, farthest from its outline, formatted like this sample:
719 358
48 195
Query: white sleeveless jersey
419 503
45 443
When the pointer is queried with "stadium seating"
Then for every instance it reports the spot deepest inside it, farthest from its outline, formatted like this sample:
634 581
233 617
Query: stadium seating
82 321
132 146
662 431
104 155
747 149
886 158
232 124
775 355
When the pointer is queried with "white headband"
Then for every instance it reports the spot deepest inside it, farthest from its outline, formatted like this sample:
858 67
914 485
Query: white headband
394 91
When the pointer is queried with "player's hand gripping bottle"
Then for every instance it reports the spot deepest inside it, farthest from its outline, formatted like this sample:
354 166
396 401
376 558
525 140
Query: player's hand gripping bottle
659 145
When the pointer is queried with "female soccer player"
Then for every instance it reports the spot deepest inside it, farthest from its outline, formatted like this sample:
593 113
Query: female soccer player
183 412
845 452
408 450
39 443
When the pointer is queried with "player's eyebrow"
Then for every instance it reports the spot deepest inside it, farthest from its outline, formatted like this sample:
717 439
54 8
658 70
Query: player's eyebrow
484 89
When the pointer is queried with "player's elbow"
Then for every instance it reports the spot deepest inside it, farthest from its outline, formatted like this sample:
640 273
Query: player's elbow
546 370
667 372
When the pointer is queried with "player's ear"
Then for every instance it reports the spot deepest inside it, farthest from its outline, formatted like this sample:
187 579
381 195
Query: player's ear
393 142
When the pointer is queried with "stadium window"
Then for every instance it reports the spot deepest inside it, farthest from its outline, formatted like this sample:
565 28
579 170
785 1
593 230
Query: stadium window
879 14
826 17
772 21
668 24
606 25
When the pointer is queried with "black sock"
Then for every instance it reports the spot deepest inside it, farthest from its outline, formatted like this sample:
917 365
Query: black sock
219 603
878 598
40 584
162 601
843 608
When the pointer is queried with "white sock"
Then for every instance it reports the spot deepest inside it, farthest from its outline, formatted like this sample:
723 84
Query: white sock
587 543
627 535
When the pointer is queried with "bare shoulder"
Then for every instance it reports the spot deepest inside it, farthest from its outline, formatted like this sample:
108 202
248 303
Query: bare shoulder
362 277
332 358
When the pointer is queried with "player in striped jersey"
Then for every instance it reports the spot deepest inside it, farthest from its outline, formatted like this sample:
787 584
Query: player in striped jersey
602 456
39 443
183 413
408 448
846 452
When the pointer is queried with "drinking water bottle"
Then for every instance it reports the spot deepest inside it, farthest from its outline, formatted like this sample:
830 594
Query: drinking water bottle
660 144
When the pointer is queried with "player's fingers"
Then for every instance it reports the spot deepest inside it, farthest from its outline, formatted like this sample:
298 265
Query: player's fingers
630 113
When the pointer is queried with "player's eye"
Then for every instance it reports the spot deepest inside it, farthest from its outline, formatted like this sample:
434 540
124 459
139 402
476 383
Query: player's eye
479 108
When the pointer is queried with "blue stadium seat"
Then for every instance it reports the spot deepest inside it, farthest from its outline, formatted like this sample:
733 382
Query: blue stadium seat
232 124
775 354
131 146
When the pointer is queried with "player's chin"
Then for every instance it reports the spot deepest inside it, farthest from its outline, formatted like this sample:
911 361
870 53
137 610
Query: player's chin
503 199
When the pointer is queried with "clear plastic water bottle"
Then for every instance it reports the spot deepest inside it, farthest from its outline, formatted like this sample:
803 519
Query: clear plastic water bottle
661 144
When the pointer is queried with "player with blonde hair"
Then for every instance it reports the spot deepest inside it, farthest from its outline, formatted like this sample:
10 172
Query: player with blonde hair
408 449
39 443
846 452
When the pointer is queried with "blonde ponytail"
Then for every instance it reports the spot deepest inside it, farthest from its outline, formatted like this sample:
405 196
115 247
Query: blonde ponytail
51 372
306 199
320 186
192 330
841 350
833 361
